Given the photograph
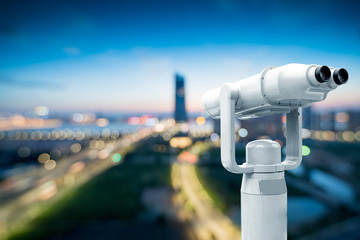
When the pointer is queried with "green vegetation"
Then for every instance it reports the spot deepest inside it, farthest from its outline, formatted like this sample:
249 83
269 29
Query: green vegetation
224 193
114 194
223 187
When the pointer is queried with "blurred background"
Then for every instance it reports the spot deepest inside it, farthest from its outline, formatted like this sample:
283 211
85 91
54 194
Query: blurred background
102 133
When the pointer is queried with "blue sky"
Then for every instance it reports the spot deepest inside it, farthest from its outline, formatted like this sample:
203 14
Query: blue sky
122 55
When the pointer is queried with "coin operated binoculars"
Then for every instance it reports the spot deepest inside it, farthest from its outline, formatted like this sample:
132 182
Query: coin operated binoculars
276 90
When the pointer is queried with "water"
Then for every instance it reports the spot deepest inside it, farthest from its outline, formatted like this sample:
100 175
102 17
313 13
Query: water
332 185
303 209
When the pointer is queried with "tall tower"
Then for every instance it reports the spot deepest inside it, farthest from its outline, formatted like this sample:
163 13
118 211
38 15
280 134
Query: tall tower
180 112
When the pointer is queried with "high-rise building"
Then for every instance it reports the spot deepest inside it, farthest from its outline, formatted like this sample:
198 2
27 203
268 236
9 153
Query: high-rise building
180 111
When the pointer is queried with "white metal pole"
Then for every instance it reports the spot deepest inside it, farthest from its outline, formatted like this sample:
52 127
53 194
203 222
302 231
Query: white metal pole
263 195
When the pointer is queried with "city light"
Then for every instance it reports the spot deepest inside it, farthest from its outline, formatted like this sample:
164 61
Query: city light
200 120
102 122
17 122
184 127
79 135
339 137
187 157
43 157
318 135
103 154
357 135
159 127
133 121
49 164
47 190
57 157
243 132
76 167
101 144
75 148
214 137
77 117
116 157
97 144
306 133
348 136
105 133
209 222
342 117
305 150
180 142
41 111
328 135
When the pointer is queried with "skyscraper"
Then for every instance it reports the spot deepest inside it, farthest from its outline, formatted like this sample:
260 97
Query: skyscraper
180 111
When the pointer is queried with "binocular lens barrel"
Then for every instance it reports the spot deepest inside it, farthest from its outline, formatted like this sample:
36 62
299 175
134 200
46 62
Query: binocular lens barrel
340 76
322 74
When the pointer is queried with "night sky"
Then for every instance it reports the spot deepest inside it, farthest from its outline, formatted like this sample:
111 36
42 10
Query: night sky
122 55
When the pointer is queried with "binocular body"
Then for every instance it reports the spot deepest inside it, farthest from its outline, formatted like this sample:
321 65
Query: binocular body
278 90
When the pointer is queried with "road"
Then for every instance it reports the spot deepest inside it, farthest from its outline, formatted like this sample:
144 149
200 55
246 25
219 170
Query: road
24 196
196 208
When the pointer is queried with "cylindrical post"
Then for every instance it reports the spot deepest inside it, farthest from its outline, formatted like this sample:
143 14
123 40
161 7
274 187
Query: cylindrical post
263 195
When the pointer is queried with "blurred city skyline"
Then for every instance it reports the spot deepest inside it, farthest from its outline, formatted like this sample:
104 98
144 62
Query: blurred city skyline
122 56
92 116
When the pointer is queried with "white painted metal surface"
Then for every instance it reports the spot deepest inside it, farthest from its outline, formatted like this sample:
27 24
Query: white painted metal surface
283 89
263 195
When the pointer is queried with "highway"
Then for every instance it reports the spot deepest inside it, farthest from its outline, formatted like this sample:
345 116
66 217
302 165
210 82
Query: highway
24 196
196 208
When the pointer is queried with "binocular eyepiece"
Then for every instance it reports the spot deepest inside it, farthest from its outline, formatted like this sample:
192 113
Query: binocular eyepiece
323 74
340 76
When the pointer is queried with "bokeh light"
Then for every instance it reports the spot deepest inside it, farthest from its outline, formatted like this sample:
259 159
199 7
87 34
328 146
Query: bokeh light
159 127
75 148
348 136
200 120
180 142
77 167
50 164
243 132
187 157
305 150
41 110
102 122
342 117
103 153
214 137
116 157
43 157
306 133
